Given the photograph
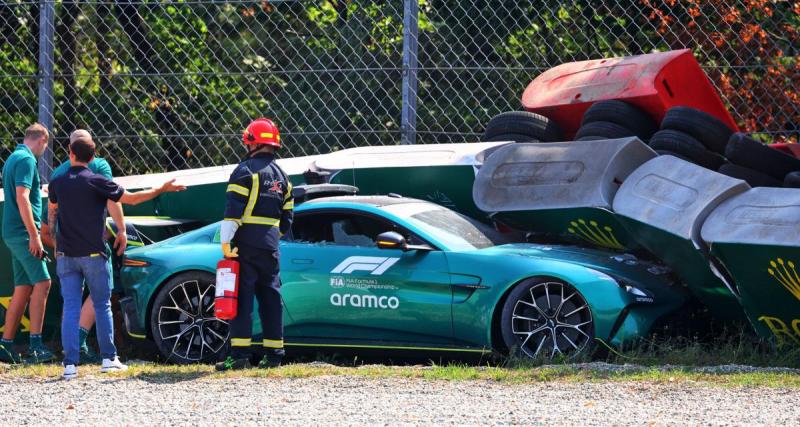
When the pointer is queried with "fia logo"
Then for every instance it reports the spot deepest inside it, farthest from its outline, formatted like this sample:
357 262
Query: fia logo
375 265
337 282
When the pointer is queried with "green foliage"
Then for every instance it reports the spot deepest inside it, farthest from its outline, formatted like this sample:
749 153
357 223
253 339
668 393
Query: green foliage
177 90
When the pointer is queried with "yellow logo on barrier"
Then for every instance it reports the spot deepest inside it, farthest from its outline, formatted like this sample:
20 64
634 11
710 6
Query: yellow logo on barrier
594 233
783 332
786 274
24 322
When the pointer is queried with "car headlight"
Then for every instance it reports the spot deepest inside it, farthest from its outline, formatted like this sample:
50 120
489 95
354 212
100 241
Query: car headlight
638 294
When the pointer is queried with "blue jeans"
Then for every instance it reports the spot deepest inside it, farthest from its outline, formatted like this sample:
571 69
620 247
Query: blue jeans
96 271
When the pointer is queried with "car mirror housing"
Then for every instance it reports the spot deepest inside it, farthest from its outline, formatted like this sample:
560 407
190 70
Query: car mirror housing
395 240
391 240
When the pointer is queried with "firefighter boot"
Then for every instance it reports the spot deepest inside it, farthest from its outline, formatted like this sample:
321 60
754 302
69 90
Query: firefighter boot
231 364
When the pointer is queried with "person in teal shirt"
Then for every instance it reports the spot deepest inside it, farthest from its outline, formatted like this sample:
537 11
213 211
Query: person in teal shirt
101 167
22 212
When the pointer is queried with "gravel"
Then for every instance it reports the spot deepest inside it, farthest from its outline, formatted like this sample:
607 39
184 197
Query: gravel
346 400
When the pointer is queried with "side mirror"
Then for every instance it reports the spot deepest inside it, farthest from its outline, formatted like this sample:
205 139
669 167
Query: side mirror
395 240
391 240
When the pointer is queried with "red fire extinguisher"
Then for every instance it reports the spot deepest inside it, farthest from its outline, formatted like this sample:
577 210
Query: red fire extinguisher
227 291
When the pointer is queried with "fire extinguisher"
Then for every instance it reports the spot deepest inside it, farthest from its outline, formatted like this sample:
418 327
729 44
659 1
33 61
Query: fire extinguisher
227 291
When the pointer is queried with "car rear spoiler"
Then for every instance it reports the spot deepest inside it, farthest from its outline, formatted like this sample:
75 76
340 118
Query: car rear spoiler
303 193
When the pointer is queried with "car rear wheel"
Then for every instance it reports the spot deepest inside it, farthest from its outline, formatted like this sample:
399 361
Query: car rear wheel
182 320
545 318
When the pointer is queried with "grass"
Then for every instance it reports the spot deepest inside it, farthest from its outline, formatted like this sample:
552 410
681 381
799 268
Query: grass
724 361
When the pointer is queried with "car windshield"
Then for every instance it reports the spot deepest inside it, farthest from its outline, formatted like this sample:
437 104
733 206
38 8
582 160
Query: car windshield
448 227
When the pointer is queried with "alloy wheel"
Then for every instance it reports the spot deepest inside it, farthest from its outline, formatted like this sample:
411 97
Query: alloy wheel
551 319
187 324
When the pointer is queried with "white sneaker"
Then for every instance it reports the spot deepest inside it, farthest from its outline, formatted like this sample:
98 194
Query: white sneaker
113 365
70 372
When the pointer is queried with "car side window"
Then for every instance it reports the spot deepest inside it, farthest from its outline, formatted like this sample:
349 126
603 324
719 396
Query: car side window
343 229
357 230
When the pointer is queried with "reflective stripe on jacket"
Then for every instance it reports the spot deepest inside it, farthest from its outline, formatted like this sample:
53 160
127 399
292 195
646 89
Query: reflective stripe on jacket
259 198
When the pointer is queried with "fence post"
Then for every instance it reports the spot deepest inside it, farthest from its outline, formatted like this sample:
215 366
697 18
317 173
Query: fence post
408 121
46 49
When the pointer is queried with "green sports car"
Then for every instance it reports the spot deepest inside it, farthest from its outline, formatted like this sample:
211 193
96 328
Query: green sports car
394 273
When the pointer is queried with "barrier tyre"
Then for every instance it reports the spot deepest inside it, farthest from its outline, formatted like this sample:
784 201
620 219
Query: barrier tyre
542 318
514 137
604 130
704 127
182 320
623 114
673 154
792 180
521 126
751 176
745 151
688 147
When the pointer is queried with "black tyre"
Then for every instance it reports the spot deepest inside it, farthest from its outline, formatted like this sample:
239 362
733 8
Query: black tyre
670 153
515 137
704 127
745 151
751 176
521 126
604 130
623 114
544 317
182 320
688 147
792 180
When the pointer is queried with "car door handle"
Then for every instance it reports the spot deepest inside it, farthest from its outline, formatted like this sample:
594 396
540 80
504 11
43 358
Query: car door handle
302 261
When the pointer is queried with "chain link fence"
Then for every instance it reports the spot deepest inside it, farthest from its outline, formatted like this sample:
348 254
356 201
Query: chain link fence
169 85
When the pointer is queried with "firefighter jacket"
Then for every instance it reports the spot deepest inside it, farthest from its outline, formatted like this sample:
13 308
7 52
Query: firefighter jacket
259 199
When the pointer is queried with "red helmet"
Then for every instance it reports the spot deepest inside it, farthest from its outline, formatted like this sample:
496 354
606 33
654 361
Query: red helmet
262 131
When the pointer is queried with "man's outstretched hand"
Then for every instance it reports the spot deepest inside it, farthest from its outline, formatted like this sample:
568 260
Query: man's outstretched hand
171 187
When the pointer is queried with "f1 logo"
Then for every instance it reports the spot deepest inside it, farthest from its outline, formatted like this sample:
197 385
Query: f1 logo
376 265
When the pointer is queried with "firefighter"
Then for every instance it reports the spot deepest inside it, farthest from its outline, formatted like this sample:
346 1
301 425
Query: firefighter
258 211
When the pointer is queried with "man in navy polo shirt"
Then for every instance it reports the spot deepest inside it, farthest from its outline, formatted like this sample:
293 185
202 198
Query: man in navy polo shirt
78 200
99 166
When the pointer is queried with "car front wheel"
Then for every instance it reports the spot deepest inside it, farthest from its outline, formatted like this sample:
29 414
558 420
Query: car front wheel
182 320
543 318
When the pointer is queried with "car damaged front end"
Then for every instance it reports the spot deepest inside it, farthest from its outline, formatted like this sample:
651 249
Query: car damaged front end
626 296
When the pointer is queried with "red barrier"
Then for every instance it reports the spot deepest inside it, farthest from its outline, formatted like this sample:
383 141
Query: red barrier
654 82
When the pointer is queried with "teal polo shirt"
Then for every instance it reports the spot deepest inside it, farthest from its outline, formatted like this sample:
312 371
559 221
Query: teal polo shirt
98 165
20 171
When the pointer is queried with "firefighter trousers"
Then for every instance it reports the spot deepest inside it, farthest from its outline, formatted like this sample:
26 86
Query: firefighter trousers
259 277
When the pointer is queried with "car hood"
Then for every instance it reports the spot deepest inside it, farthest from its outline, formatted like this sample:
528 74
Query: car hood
618 265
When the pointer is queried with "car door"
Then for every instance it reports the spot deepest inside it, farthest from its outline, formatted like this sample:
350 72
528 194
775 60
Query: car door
343 287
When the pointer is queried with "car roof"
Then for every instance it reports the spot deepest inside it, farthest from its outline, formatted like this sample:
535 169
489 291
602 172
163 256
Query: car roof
375 201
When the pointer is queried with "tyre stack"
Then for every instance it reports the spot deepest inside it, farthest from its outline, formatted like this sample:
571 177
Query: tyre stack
613 119
687 133
702 139
760 165
694 136
521 126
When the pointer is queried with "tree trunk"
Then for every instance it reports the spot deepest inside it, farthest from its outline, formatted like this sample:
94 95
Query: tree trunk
167 119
